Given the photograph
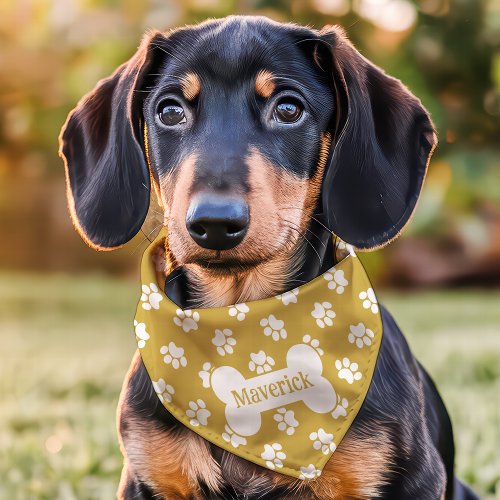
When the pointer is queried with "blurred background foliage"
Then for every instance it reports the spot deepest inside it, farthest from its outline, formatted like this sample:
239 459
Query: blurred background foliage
447 51
64 339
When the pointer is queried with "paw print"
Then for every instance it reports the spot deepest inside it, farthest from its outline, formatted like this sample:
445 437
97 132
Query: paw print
204 374
223 341
187 319
273 327
336 280
260 362
347 370
231 437
173 355
273 455
360 335
150 297
239 310
141 334
309 472
289 297
164 390
323 314
369 300
198 413
345 248
314 343
286 420
341 409
323 441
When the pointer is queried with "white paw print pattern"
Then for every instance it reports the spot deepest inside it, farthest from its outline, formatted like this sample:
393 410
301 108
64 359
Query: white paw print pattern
173 355
369 300
347 370
346 248
164 390
323 314
336 280
273 455
341 409
150 297
224 341
289 297
141 334
187 319
309 472
204 374
239 310
323 441
314 343
260 362
273 327
286 420
360 335
197 413
231 437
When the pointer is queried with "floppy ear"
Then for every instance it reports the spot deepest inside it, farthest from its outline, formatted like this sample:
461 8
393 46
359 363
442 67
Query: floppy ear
383 144
107 178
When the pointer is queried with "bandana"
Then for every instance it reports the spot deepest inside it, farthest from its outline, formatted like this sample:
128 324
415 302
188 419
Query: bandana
276 381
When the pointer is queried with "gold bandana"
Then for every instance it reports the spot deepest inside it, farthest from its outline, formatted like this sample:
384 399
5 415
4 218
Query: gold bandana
276 381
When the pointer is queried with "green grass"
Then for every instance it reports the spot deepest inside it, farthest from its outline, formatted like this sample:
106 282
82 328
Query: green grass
66 345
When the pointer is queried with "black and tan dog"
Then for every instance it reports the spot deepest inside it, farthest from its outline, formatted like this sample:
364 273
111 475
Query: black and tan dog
260 139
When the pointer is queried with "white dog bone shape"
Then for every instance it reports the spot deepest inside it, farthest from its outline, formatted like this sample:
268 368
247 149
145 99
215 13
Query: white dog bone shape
246 399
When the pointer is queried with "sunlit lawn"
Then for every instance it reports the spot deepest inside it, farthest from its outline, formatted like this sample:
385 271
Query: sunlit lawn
66 344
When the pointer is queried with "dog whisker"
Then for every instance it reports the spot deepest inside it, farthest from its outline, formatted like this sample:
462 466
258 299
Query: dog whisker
312 217
307 229
296 228
146 237
156 46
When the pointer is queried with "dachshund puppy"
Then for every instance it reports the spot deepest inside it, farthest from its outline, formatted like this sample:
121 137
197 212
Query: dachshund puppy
260 139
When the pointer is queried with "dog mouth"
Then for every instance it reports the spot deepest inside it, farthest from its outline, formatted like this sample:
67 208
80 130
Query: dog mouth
226 265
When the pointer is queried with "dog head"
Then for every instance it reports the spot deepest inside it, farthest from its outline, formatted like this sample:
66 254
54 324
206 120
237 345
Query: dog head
247 129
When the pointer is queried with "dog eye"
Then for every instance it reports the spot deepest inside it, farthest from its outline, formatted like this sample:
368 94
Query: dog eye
288 110
171 113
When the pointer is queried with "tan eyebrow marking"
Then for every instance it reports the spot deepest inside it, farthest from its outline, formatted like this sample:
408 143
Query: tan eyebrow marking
264 83
190 85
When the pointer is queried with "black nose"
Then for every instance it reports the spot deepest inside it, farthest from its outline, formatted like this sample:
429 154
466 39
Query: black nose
217 222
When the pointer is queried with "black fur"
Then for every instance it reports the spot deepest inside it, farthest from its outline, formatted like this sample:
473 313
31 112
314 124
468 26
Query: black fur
382 139
380 159
402 399
382 136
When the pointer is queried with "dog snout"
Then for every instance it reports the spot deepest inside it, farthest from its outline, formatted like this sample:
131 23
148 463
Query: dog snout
217 222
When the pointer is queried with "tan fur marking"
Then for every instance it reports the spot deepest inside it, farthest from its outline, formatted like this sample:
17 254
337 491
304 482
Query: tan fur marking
279 201
280 205
264 83
316 181
120 412
148 160
358 469
187 461
173 192
170 463
190 86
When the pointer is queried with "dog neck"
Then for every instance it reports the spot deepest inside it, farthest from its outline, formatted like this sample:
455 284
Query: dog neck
263 280
194 286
